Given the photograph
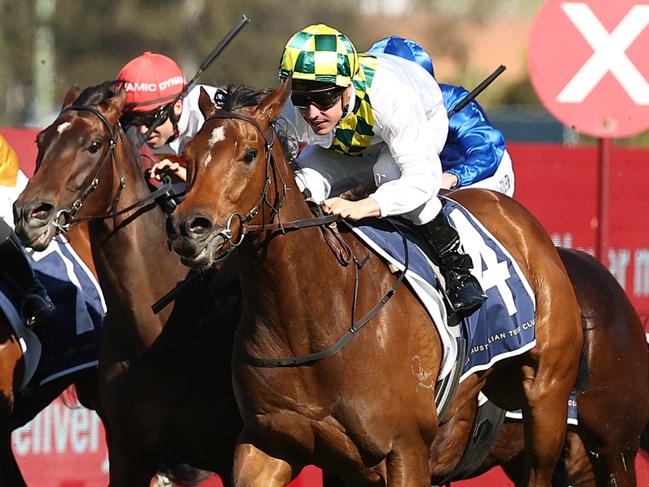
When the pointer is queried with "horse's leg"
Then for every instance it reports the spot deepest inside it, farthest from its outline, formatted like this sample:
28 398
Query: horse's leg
128 468
407 465
543 384
255 468
612 460
10 475
580 470
549 373
544 418
609 422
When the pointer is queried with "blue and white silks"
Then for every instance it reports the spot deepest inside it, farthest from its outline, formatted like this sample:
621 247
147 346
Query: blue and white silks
474 147
69 341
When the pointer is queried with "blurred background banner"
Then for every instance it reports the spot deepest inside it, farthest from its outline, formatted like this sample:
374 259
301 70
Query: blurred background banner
47 46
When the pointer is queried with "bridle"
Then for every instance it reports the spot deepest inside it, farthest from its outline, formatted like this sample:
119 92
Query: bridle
245 227
64 218
295 225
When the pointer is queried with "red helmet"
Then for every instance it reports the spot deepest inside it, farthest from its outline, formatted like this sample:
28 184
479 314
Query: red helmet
151 80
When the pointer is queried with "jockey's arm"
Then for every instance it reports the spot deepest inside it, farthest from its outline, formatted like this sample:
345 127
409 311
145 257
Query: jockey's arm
414 139
475 145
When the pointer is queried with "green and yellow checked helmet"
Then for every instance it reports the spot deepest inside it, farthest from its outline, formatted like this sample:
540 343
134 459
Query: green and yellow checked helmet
320 53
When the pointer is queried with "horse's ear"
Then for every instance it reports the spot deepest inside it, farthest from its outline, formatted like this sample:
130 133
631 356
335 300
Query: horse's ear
116 105
272 105
206 104
71 96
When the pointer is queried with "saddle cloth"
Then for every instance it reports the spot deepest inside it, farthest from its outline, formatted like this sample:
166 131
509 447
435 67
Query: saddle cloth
572 411
69 341
503 327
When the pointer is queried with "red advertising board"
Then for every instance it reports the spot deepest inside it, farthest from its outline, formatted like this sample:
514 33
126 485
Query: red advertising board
65 447
559 186
62 447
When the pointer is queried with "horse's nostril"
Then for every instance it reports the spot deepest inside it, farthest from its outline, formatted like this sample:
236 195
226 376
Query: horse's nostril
198 226
42 211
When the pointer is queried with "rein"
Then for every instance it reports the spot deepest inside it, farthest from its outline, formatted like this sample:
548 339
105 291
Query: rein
349 334
297 225
65 218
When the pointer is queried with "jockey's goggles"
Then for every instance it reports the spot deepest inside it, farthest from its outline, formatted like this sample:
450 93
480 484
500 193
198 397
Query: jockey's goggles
322 100
153 117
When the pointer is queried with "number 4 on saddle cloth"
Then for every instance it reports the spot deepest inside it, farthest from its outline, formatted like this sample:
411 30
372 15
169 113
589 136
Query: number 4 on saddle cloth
70 340
503 327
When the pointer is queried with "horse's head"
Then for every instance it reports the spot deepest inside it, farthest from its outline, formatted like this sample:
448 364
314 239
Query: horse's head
74 152
232 172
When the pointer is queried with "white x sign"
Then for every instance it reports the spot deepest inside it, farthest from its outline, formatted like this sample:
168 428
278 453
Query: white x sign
610 53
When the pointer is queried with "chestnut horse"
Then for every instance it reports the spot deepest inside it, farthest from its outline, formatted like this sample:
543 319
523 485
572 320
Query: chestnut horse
164 380
359 413
613 406
19 406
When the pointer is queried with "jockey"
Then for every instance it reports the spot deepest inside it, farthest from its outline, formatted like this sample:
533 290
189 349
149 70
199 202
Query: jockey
155 86
362 114
474 154
15 265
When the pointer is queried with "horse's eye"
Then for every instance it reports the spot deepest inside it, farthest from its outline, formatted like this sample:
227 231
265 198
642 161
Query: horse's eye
250 155
94 146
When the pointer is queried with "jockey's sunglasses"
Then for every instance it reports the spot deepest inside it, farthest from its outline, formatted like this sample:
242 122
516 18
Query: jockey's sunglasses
322 100
137 119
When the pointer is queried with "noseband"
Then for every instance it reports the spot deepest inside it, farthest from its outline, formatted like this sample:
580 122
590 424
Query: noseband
269 141
245 227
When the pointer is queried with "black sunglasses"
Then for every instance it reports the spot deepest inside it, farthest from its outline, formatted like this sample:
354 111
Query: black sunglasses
323 100
137 119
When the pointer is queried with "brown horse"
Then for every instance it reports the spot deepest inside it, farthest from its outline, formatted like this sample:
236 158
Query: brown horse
613 406
362 413
165 383
17 407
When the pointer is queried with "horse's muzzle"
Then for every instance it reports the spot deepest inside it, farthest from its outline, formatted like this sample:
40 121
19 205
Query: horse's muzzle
196 241
34 224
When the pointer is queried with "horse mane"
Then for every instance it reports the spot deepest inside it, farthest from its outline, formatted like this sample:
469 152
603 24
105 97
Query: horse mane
98 94
232 98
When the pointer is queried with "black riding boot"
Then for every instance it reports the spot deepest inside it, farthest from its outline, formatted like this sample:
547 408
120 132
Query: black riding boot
15 267
463 289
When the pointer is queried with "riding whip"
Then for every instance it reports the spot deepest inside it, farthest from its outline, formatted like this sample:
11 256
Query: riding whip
171 295
160 118
476 91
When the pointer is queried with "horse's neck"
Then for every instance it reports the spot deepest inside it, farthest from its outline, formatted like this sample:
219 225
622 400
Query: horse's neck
291 279
131 253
